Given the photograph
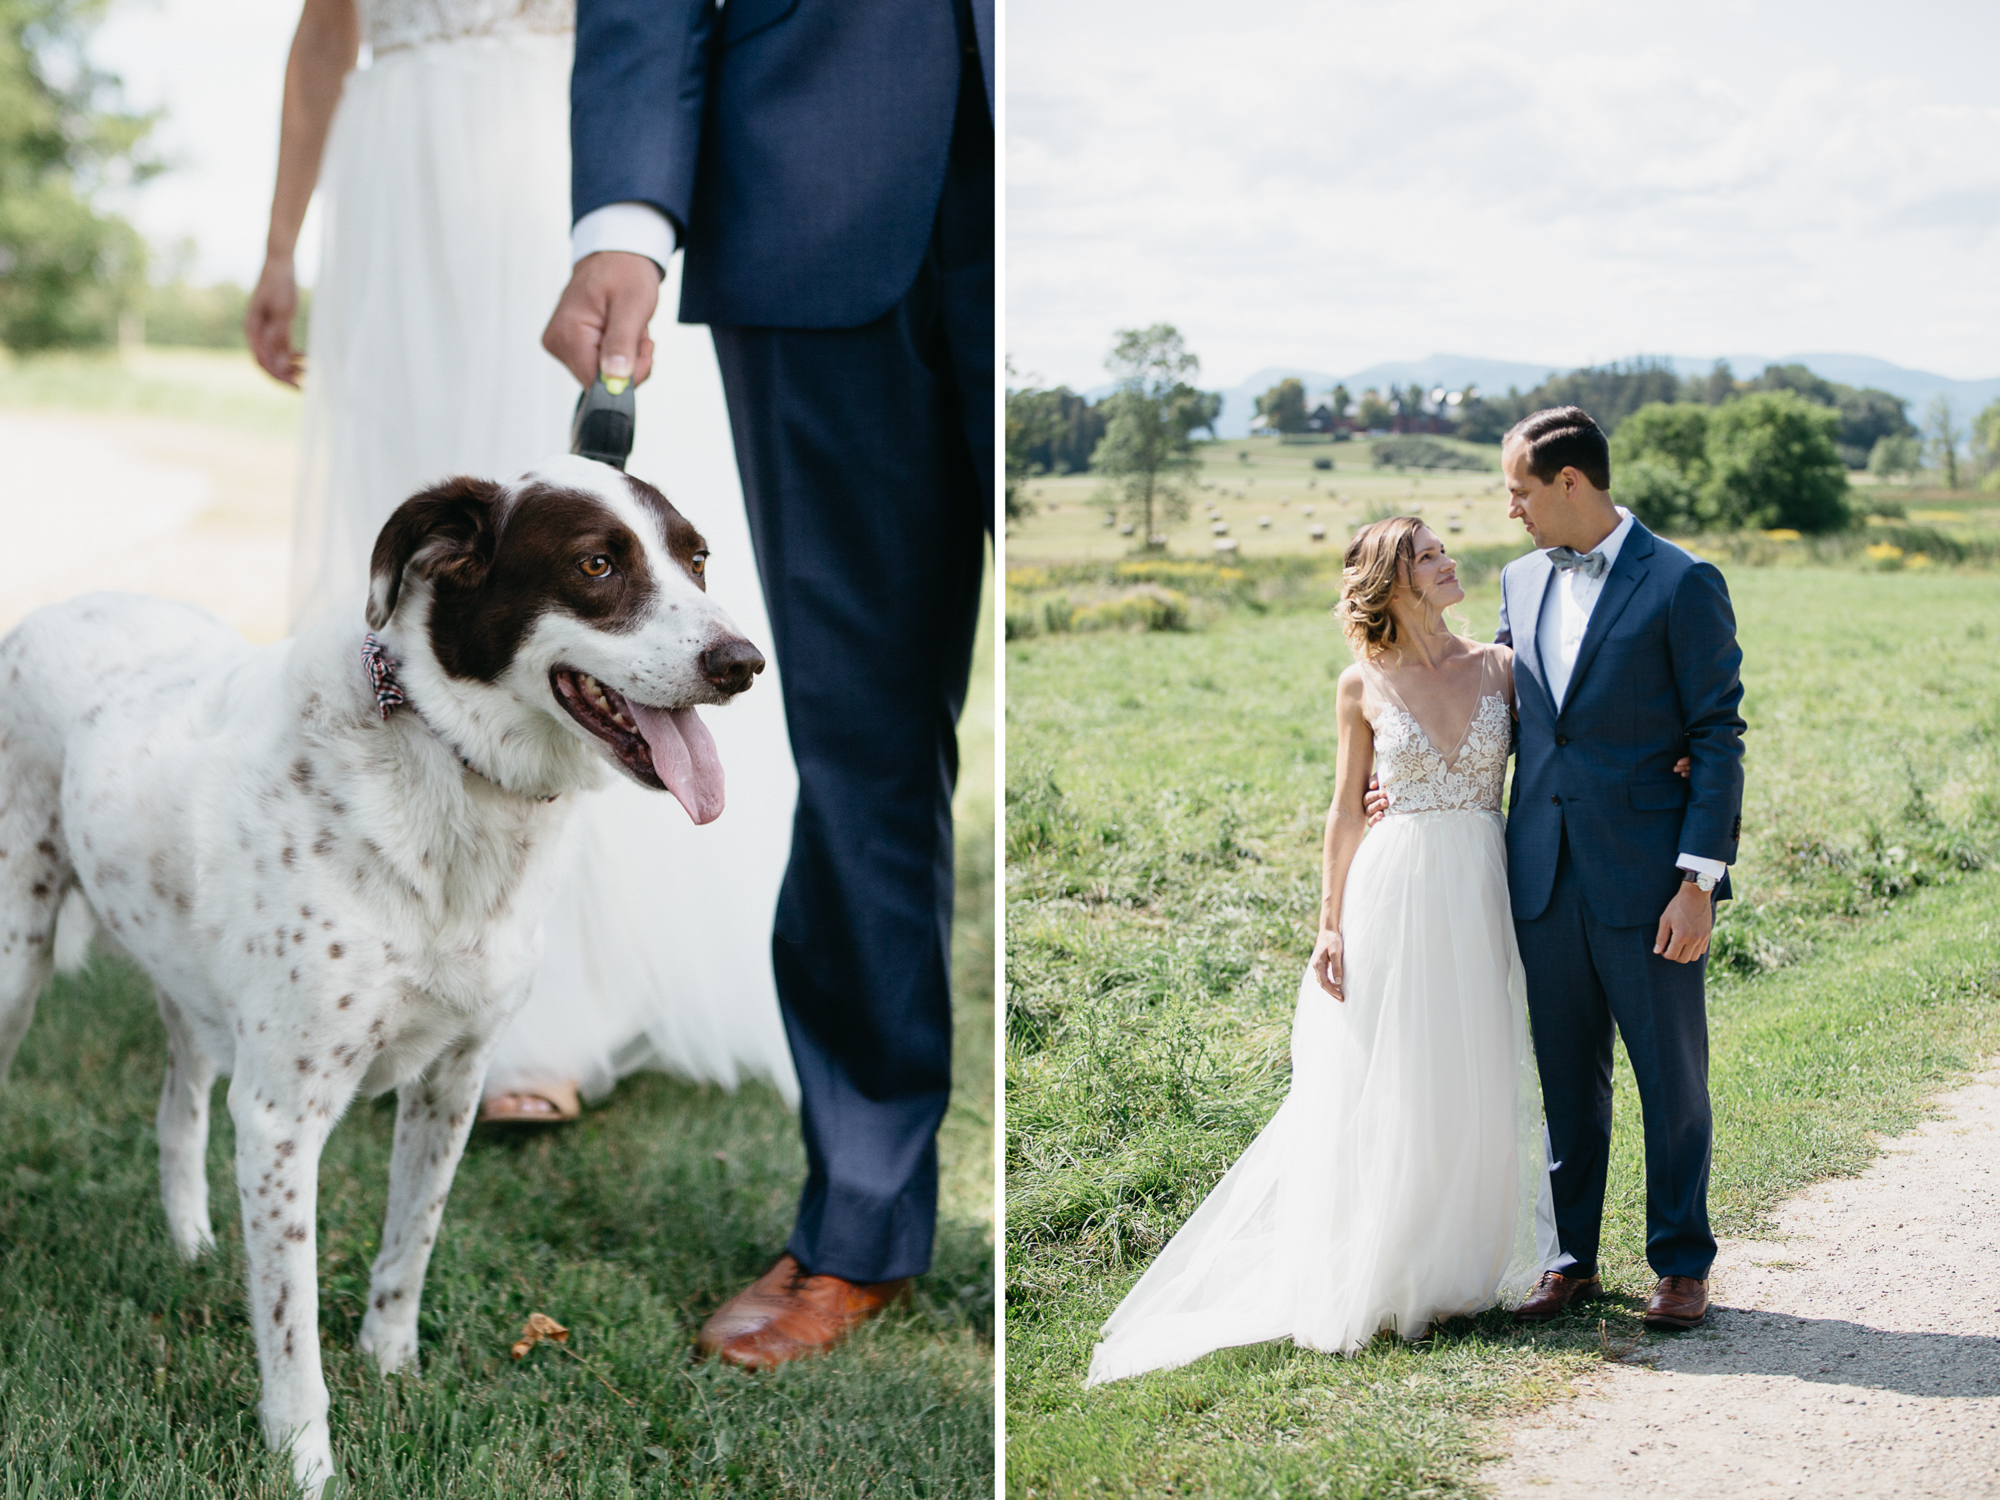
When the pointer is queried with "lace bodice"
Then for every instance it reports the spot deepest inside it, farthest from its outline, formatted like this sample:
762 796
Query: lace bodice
1421 777
391 24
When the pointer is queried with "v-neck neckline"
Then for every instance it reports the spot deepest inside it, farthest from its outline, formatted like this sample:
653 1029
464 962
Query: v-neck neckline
1451 758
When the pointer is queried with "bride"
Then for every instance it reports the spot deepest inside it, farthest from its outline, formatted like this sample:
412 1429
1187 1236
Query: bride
443 168
1401 1180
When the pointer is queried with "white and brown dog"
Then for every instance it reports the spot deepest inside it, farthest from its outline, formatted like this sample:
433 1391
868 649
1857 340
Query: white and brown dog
332 855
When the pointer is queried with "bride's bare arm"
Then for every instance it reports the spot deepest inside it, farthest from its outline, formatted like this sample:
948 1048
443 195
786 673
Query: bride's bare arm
1346 824
324 49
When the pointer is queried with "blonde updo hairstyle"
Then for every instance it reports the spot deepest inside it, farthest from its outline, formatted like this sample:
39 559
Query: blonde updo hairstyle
1380 556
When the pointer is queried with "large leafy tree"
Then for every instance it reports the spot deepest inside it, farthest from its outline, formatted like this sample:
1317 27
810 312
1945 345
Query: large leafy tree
1147 453
1772 462
1283 406
1659 464
67 269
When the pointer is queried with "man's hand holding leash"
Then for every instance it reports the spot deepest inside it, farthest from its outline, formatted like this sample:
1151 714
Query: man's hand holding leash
599 326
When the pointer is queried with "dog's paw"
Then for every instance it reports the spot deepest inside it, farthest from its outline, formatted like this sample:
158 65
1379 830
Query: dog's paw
392 1347
312 1469
192 1241
311 1447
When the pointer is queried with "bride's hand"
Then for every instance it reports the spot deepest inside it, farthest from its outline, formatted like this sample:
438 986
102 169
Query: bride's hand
267 322
1327 966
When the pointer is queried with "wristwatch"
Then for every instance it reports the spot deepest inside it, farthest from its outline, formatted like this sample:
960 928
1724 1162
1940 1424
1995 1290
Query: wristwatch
1701 882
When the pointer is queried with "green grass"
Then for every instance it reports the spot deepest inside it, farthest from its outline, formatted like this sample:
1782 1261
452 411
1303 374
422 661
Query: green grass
1166 792
213 387
123 1371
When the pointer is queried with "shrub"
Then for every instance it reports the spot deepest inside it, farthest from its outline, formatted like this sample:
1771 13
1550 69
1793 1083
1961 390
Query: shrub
1149 607
1658 494
1670 434
1412 452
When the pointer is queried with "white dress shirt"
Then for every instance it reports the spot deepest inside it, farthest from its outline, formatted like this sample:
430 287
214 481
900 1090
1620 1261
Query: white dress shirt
1566 611
638 228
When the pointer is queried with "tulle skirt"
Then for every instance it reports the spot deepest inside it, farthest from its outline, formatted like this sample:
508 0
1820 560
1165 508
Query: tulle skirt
1403 1179
445 195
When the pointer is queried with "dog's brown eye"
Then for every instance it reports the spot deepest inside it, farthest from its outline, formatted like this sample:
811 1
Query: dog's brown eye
595 567
699 565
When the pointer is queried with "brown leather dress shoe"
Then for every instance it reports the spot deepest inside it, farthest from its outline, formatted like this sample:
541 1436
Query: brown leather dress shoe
1677 1302
789 1312
1554 1294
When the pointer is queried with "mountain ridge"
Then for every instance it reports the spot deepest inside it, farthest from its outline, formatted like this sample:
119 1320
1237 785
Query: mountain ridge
1494 376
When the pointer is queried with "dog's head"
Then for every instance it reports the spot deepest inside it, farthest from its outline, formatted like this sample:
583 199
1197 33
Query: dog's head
576 593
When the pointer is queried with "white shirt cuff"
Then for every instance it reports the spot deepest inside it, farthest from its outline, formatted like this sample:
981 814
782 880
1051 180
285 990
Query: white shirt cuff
636 228
1700 866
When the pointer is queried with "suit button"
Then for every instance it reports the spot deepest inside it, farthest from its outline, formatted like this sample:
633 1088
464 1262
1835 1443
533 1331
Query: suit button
1557 800
1562 739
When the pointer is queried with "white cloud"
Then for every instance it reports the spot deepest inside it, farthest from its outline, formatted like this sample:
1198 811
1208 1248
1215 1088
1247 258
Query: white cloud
1332 184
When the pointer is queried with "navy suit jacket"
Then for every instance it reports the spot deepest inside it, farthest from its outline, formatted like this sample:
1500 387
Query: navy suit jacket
798 145
1656 678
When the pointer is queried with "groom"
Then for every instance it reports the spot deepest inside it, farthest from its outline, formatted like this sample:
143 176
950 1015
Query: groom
828 166
1625 660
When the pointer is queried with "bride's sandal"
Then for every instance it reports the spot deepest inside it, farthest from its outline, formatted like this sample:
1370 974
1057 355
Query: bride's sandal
548 1104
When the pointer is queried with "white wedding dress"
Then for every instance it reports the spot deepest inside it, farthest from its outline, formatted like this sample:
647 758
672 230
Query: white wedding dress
445 196
1403 1179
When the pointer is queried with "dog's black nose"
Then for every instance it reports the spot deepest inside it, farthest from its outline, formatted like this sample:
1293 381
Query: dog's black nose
730 664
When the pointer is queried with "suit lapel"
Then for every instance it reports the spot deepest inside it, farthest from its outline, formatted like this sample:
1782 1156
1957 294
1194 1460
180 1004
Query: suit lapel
1529 649
1619 585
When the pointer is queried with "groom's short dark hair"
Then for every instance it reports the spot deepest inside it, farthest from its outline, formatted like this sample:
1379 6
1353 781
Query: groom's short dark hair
1564 437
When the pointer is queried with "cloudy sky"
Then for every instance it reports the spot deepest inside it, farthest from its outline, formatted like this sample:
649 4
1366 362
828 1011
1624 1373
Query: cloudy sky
1328 184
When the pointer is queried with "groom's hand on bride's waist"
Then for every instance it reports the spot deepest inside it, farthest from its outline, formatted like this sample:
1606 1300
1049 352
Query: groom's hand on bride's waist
1375 802
1686 924
599 326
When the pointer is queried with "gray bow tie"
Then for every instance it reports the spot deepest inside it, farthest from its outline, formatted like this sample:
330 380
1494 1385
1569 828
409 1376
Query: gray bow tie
1589 564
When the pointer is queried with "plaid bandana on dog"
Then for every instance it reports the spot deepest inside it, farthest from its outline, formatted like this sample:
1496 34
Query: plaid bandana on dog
389 696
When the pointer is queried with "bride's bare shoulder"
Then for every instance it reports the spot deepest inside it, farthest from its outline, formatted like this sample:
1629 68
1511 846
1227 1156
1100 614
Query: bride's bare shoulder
1350 689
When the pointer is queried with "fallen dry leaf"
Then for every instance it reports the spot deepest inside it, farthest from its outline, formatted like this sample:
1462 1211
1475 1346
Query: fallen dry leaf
540 1326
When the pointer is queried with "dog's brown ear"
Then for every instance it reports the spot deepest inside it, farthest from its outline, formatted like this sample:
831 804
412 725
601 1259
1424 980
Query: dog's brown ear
445 533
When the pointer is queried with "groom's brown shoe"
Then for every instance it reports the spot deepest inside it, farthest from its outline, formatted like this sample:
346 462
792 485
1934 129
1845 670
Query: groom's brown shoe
1555 1294
1677 1302
788 1312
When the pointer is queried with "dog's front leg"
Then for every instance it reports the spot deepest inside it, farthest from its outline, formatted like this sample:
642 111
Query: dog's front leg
434 1115
281 1127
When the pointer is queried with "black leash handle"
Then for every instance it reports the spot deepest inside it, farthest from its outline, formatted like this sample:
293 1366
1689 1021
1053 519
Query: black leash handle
603 425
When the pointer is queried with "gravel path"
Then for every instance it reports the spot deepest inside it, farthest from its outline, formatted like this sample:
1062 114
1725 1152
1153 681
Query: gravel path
1857 1353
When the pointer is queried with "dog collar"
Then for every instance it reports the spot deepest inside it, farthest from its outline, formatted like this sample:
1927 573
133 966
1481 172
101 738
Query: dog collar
390 695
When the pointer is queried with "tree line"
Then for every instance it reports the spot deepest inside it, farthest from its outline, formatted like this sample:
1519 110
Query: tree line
1705 453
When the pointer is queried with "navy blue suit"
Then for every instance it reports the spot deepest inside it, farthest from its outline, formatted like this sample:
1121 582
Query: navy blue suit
1595 822
830 166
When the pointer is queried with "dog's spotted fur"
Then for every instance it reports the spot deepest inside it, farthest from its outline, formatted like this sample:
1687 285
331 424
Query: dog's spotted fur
331 903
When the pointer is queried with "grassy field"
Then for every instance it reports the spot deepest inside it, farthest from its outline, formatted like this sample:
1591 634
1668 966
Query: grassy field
208 387
1166 792
1248 481
124 1372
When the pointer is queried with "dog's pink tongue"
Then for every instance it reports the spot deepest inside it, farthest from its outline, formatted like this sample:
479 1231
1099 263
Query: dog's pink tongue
684 755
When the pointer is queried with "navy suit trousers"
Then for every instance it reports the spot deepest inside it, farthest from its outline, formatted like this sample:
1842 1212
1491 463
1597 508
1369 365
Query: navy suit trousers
867 463
1584 977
